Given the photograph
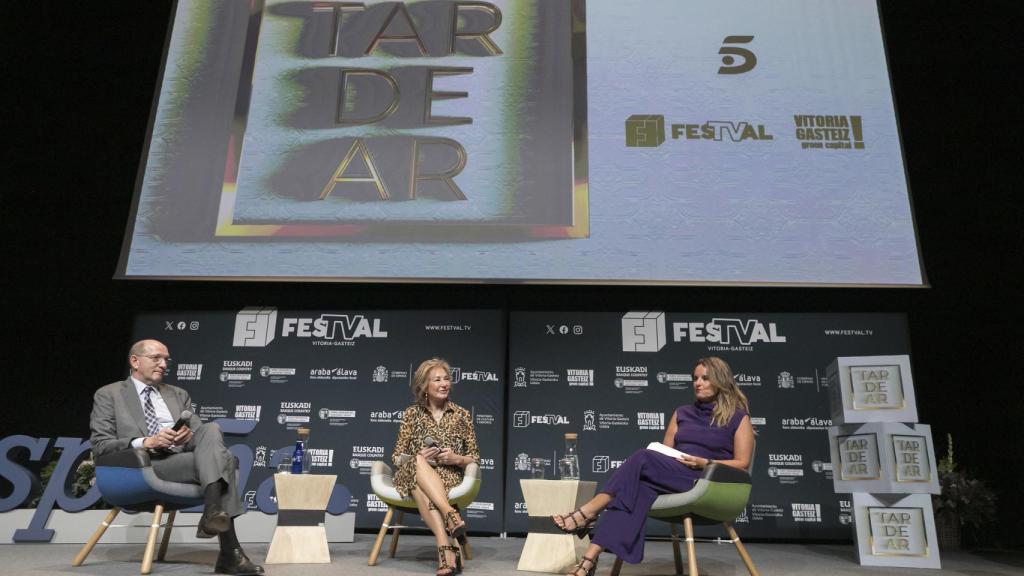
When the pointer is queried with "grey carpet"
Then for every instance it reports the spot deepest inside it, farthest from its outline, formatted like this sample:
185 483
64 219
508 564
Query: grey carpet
492 556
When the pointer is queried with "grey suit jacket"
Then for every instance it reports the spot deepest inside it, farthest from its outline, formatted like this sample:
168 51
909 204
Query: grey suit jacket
117 416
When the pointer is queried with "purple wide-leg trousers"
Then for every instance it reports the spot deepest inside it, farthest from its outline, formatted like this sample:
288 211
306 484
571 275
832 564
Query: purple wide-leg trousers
633 488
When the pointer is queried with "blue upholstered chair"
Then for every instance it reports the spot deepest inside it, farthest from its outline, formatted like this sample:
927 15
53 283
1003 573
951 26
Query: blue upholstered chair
127 481
460 497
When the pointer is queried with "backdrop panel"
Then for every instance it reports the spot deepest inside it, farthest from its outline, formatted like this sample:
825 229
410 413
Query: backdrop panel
345 375
616 379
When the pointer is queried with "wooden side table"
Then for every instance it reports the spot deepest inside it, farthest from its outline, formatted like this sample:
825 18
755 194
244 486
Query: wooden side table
300 536
548 549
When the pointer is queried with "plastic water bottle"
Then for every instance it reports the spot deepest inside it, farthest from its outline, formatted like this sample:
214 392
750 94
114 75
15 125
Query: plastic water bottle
298 456
307 454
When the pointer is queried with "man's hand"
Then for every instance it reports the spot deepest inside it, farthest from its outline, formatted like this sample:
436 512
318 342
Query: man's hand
167 438
183 435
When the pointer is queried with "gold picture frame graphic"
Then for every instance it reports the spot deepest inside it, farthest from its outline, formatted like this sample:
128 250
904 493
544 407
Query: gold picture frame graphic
878 458
872 538
853 394
896 463
411 230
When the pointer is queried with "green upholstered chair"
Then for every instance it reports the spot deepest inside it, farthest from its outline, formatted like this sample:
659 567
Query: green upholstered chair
460 497
718 497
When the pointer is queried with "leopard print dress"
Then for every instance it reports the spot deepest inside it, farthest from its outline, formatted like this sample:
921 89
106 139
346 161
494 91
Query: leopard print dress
454 431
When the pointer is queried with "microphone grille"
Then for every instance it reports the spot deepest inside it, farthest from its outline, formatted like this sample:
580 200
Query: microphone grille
186 414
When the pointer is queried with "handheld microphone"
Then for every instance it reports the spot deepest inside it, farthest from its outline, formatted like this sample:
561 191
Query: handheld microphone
186 416
429 442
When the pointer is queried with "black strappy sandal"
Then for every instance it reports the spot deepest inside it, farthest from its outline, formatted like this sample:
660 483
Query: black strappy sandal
580 529
579 566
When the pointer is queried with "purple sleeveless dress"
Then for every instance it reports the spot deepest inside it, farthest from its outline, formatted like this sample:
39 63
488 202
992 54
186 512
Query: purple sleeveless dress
647 474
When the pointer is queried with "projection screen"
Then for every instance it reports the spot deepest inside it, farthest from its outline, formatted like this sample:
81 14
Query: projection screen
548 141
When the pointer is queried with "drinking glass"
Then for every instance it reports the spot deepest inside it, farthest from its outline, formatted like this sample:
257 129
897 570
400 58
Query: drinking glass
537 468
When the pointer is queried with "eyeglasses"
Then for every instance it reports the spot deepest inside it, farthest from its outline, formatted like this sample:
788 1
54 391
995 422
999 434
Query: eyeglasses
156 358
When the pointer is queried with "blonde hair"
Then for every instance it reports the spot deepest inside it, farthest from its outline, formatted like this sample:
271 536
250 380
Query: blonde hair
728 396
420 377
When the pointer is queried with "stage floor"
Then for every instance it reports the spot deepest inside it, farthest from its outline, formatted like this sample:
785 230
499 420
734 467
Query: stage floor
492 556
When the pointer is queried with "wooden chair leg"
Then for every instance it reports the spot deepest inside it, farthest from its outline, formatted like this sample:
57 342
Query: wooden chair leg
742 551
375 551
147 558
617 566
167 535
467 551
677 554
691 550
87 548
395 534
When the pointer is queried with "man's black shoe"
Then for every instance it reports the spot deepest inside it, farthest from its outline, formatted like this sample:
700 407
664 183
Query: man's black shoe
212 523
235 562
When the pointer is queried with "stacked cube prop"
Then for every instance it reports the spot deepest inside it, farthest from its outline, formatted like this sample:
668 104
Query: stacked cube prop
885 459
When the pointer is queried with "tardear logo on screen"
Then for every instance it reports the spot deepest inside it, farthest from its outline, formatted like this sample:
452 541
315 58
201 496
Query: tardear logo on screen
254 327
749 60
645 130
643 331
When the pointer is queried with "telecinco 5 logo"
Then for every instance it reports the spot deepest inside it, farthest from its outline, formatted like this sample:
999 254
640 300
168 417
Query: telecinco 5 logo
727 52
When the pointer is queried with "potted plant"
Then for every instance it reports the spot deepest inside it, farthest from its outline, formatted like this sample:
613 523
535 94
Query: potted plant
964 506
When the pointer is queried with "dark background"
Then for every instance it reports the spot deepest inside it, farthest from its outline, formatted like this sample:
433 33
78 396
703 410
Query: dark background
78 81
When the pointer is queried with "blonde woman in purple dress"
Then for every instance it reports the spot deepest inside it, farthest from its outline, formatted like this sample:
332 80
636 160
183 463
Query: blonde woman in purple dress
715 428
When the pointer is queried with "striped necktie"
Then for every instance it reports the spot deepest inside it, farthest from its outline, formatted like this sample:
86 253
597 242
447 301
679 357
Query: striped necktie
150 412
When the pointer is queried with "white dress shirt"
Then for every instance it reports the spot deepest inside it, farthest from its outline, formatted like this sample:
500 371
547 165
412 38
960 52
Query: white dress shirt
163 414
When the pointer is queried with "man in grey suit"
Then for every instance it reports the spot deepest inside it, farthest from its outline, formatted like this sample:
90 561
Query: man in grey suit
140 412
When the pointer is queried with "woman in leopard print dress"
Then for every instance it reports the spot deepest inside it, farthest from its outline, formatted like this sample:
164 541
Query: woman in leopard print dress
429 472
